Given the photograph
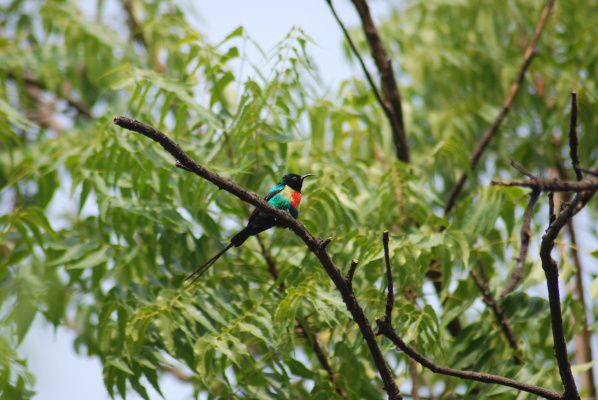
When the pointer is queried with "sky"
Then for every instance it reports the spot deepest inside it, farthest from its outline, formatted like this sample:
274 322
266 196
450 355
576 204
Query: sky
60 373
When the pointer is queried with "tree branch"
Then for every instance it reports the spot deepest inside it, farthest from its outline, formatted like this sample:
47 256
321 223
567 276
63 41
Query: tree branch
311 338
387 330
477 152
552 185
390 101
499 315
81 108
573 137
314 244
517 273
390 298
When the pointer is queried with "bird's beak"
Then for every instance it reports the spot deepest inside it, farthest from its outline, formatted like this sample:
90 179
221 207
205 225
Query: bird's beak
306 175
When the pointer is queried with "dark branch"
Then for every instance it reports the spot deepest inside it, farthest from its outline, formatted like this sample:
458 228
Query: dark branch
517 274
573 137
390 298
551 214
81 108
322 358
360 60
311 338
351 273
589 171
314 244
479 149
387 330
552 185
522 169
550 268
499 315
391 104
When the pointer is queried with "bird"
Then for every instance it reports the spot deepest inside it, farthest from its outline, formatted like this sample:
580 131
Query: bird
285 195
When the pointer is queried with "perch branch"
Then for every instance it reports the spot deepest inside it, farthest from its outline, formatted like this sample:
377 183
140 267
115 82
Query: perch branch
314 244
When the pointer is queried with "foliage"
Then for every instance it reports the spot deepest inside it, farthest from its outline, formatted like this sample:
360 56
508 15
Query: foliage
101 227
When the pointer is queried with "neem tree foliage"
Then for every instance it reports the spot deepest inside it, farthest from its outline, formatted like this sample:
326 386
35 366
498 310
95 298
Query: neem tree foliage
99 228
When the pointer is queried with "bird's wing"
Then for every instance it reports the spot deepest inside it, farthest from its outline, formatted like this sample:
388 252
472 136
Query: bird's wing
273 192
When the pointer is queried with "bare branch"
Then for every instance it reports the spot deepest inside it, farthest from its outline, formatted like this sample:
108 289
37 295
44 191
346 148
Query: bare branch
589 171
390 101
390 298
479 149
522 169
387 330
517 273
573 137
583 346
306 332
312 339
351 273
79 106
499 315
314 244
551 214
353 47
552 185
550 268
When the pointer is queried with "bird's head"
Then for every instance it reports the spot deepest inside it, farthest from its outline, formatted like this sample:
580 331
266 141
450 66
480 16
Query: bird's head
294 181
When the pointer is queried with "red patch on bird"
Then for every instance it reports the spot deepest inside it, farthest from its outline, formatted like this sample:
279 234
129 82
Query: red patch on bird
295 199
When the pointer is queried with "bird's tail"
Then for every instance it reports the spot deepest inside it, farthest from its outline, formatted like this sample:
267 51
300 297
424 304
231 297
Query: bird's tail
193 277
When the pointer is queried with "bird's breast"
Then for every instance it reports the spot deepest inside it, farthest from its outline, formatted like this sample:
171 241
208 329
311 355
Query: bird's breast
295 199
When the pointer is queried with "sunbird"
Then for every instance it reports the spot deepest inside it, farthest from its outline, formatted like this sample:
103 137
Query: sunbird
286 196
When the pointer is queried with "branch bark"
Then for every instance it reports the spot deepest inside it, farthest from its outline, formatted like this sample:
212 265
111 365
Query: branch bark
313 244
388 331
517 273
479 149
390 101
552 185
311 338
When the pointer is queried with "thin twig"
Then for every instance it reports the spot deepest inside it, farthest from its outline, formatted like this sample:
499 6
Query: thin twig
314 244
351 273
477 152
390 100
584 340
81 108
311 338
552 185
517 273
589 171
499 315
522 169
365 70
573 137
387 330
550 268
551 214
390 298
